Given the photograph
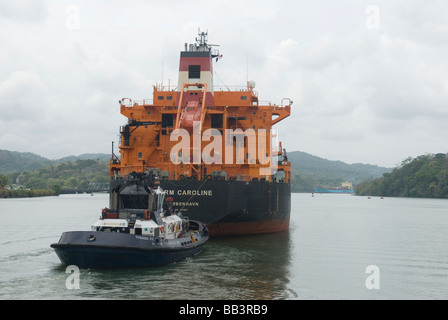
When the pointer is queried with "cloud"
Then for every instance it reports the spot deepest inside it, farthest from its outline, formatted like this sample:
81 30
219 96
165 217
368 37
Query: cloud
21 94
372 95
22 10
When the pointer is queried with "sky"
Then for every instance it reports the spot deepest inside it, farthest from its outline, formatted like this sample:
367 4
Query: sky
368 79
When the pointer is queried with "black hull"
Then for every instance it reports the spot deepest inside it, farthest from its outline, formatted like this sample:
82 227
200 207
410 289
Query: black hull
121 250
230 207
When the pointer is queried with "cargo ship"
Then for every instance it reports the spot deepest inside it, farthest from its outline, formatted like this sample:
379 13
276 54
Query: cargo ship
345 187
212 149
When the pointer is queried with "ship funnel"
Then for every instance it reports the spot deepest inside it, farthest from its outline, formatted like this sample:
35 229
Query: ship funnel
196 66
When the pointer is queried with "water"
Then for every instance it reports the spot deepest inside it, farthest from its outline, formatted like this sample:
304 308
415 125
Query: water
331 241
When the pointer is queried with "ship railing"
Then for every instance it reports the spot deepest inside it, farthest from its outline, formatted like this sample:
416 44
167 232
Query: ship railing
286 102
238 88
136 168
165 87
265 103
144 102
276 106
128 102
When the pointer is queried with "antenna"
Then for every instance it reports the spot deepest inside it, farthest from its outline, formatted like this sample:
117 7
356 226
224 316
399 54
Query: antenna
162 65
202 40
247 66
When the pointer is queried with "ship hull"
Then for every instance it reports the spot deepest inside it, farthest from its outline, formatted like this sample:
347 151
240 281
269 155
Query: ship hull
230 207
119 250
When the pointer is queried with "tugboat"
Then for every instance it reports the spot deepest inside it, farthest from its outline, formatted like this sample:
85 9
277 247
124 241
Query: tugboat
141 231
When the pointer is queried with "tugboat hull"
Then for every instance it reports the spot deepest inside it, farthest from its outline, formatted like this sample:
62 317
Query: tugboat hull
97 249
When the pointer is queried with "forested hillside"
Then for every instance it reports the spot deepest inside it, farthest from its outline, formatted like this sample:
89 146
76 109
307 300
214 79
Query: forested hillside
70 175
12 161
24 171
76 172
425 176
309 171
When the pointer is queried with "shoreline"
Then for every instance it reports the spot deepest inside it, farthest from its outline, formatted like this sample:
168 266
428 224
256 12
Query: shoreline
10 194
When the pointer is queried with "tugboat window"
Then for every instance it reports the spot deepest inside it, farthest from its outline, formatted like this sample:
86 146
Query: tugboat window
134 202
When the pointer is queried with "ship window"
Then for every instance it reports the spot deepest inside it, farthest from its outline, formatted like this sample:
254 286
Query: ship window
160 97
216 121
169 98
167 120
133 201
194 72
243 97
140 155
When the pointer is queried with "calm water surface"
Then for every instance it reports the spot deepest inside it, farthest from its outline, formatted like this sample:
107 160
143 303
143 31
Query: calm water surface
331 241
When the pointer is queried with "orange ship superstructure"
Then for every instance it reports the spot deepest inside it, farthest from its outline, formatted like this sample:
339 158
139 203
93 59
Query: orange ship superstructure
211 149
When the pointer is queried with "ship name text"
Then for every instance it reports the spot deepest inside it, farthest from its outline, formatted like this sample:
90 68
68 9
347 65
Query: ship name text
189 193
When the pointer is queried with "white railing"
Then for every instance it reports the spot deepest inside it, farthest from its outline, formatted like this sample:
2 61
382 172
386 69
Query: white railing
128 102
239 88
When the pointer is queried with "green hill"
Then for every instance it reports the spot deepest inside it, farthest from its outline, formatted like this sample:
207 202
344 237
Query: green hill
309 171
13 161
86 156
67 174
72 172
425 176
16 162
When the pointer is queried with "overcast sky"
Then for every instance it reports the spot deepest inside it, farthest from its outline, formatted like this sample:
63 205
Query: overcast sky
369 79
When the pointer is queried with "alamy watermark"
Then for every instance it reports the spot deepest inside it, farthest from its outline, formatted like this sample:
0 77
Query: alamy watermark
373 280
373 18
72 281
72 21
251 147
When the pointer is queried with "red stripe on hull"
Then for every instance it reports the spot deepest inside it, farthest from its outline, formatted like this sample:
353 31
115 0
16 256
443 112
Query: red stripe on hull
246 228
204 62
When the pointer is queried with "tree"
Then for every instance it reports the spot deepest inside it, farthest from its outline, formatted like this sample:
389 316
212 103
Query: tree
4 180
56 189
423 176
